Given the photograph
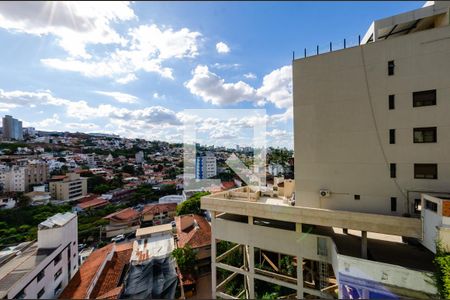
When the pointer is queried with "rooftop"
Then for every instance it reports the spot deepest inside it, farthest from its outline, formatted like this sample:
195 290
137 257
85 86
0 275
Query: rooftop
125 214
159 208
57 220
145 231
93 203
153 247
193 230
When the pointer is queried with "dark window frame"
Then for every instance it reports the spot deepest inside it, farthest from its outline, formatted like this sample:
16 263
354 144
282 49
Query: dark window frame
430 205
393 170
41 293
393 204
417 202
424 98
423 175
423 130
392 136
40 275
357 197
391 67
391 102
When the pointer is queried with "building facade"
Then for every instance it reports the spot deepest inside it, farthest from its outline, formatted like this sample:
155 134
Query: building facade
42 269
12 128
370 121
205 166
68 187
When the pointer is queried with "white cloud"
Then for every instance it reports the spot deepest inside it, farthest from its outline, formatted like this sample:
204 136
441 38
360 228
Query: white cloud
250 76
120 97
159 96
211 88
221 47
75 24
276 88
147 48
52 123
221 66
126 79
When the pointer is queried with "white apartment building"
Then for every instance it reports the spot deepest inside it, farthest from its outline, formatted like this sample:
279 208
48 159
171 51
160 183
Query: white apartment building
41 269
370 131
139 157
19 178
371 121
205 166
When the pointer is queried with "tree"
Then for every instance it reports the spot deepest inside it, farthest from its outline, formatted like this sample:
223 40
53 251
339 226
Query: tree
128 169
185 258
442 271
191 205
102 188
23 201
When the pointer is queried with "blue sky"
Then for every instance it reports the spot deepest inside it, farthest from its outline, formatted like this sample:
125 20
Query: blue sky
132 68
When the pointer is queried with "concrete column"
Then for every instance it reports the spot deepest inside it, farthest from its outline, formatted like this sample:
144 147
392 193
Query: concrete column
213 256
364 244
251 266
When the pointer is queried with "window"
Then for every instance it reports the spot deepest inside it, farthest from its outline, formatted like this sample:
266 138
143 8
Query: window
425 171
391 136
425 135
41 293
424 98
357 197
57 259
58 273
391 101
391 67
322 246
431 205
417 206
393 204
40 275
57 289
393 168
21 294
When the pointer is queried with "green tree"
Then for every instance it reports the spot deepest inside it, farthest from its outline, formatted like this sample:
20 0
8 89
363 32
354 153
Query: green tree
442 271
185 258
128 169
23 201
191 205
102 188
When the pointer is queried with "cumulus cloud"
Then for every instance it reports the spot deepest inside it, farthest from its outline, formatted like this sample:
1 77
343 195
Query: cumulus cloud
221 66
120 97
75 24
250 76
221 47
276 88
211 88
159 96
147 48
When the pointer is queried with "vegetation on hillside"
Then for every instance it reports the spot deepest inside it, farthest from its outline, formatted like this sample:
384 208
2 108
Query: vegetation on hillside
191 205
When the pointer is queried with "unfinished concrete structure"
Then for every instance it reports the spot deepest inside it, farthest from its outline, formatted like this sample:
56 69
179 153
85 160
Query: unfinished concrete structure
343 234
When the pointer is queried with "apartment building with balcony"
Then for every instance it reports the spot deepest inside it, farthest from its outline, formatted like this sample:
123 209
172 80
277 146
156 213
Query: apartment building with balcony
68 187
41 269
371 176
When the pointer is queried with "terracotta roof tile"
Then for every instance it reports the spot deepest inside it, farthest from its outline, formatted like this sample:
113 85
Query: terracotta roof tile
93 203
158 208
194 236
125 214
112 294
79 284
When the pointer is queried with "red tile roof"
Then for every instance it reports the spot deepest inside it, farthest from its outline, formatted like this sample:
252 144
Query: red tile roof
112 294
98 202
194 236
79 284
228 185
124 214
159 208
109 279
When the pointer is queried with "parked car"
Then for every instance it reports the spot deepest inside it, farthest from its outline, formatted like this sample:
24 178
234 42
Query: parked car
118 238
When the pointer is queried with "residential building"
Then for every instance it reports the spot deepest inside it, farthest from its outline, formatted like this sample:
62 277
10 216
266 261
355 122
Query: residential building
119 195
122 222
20 178
157 214
352 229
370 122
30 131
171 199
101 274
38 197
91 204
205 166
41 269
139 157
12 129
36 173
68 187
7 202
194 231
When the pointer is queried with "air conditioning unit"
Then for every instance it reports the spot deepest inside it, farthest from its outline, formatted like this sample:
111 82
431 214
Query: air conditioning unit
324 193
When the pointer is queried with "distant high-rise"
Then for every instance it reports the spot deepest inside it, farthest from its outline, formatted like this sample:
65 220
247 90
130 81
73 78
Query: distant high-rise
205 166
12 128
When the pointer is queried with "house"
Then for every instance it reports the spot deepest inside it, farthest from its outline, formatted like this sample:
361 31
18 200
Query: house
101 275
38 197
158 214
122 222
195 231
91 204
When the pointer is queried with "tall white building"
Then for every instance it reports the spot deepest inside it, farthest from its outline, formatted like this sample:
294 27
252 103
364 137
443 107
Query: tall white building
41 269
139 157
12 128
205 166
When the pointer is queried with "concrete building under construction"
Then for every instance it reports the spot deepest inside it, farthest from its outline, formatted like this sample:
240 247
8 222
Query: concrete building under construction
371 176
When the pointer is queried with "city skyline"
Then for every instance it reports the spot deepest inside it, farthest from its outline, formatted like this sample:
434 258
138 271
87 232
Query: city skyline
132 69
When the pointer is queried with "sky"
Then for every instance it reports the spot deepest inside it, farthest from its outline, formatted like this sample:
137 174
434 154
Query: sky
143 69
